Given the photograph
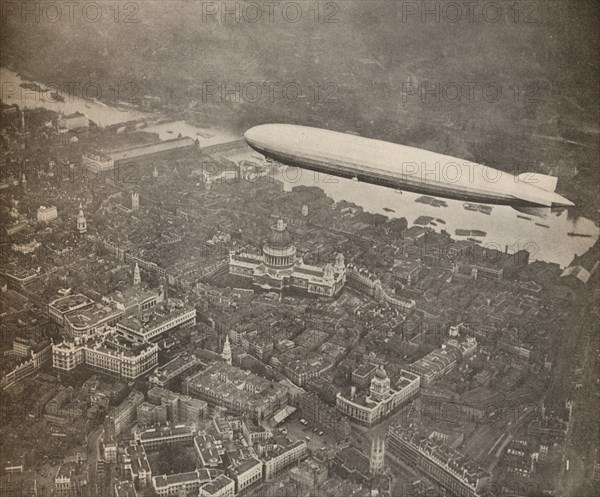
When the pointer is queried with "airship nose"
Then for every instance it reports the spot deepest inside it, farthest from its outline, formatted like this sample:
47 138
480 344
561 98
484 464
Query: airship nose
258 134
250 135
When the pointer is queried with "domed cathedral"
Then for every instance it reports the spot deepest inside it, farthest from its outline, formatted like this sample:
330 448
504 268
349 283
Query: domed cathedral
279 267
279 250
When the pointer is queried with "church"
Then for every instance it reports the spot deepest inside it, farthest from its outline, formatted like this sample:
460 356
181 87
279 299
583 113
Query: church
279 268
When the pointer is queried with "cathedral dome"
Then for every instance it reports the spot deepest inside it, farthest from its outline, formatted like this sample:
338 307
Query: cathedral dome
280 237
279 251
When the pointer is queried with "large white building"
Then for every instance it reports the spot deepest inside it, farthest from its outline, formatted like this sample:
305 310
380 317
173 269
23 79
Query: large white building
123 415
73 121
221 486
106 351
431 457
30 356
441 361
151 325
246 473
279 268
180 483
280 458
97 163
86 321
135 463
153 438
382 400
59 309
237 390
46 214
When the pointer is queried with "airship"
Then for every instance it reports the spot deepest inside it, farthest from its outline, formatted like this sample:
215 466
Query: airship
401 167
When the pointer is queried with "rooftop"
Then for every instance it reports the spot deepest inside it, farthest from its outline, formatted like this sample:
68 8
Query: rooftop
166 432
244 466
462 468
231 382
151 320
364 369
217 484
125 489
198 475
89 317
70 303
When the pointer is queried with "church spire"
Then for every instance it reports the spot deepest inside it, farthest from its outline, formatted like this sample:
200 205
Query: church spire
226 354
137 278
81 221
377 460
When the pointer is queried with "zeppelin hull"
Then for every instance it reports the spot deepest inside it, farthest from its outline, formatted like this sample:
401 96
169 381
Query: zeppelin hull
399 167
388 181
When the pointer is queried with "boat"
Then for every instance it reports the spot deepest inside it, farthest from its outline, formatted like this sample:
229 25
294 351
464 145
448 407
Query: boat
440 221
57 96
387 209
423 220
474 240
434 202
523 217
432 224
542 225
398 192
169 131
485 209
585 235
478 233
461 232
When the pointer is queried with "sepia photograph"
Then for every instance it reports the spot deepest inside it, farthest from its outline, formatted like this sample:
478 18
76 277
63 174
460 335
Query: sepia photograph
299 248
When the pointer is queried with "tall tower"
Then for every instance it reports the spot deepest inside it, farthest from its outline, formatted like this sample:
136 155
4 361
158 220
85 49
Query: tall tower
155 173
340 264
207 181
24 182
23 120
305 210
81 221
137 278
135 201
226 354
377 460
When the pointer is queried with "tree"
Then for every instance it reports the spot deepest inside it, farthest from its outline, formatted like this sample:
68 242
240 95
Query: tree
173 459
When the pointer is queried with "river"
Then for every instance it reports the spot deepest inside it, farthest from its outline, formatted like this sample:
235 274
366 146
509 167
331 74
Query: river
503 227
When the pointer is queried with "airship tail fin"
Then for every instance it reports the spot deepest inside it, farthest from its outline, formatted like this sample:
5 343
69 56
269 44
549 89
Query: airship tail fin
542 181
